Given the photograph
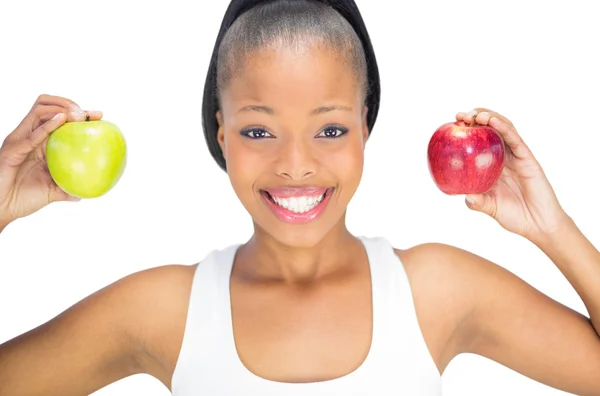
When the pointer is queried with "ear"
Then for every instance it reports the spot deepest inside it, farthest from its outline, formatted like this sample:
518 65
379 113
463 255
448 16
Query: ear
365 127
220 131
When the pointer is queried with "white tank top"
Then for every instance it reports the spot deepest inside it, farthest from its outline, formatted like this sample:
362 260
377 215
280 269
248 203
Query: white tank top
398 362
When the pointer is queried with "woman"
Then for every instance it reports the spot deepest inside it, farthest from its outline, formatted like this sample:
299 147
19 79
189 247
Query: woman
304 307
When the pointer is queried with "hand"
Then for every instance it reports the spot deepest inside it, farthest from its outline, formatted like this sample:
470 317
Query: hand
522 201
25 182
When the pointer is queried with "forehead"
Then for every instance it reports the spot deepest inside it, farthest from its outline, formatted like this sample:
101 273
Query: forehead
296 76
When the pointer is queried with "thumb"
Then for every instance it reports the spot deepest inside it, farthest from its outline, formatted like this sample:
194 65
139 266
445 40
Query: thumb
71 198
58 195
483 203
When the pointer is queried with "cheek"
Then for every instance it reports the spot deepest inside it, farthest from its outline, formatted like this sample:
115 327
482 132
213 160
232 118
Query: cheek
343 165
350 158
244 165
348 161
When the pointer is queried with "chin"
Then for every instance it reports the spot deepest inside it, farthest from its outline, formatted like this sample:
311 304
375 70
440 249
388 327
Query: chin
294 237
298 238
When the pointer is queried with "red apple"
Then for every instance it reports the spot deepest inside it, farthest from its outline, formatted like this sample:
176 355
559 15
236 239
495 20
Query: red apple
465 159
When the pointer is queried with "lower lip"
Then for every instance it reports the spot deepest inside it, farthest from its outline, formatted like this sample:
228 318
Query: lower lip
298 218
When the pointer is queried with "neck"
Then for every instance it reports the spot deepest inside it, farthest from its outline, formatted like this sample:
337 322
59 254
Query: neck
264 258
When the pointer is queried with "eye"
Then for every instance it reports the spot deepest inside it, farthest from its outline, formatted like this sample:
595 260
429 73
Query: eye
256 133
332 132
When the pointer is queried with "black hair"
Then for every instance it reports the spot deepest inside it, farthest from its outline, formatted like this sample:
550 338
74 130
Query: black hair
289 24
251 24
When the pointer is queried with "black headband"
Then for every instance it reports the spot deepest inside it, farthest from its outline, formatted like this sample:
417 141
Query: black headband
210 104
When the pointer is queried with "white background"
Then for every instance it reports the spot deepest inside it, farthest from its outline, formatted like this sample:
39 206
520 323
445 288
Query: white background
144 64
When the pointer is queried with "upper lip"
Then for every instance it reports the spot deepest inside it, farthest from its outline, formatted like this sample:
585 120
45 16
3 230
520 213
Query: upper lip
286 192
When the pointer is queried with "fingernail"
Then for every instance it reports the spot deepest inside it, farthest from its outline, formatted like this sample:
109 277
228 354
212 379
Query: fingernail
77 114
472 112
57 116
470 200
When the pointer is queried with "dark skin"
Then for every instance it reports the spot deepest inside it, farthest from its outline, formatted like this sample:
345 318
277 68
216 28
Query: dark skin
318 272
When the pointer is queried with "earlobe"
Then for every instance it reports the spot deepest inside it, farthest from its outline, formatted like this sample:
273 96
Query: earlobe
220 131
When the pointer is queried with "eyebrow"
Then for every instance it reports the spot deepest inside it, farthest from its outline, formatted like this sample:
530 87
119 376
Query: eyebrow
319 110
325 109
260 109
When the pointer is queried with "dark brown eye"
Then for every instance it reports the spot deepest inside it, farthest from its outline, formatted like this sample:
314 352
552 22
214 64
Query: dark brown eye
332 132
256 133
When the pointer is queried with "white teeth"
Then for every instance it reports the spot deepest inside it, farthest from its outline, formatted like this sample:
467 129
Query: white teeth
299 204
294 205
302 204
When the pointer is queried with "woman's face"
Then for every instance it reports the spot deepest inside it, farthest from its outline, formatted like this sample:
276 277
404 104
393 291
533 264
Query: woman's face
293 131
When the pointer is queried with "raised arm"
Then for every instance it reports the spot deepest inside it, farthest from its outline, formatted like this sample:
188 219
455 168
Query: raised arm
134 325
509 321
499 316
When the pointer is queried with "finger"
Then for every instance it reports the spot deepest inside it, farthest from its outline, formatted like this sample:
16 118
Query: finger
504 128
483 118
483 203
493 113
56 194
43 113
68 104
46 112
15 152
36 116
85 115
514 143
44 130
511 137
77 116
466 117
471 117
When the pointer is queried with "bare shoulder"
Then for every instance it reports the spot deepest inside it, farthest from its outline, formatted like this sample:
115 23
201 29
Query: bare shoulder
445 281
150 308
134 325
449 271
484 309
440 272
158 300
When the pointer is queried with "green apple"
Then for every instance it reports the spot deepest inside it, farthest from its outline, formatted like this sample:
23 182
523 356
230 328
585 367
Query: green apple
86 159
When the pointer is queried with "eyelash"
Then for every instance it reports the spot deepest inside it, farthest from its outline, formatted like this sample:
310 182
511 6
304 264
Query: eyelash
342 131
249 131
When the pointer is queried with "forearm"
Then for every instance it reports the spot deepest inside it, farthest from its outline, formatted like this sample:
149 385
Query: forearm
579 261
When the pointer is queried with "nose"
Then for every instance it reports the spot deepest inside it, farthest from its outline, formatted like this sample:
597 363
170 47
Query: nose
295 160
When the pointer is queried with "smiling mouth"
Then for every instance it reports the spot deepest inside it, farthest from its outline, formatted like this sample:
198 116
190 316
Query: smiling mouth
298 204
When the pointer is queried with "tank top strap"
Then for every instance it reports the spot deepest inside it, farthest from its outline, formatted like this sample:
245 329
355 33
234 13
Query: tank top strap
205 337
400 329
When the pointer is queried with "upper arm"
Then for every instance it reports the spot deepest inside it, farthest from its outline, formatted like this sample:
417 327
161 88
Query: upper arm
516 325
92 344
